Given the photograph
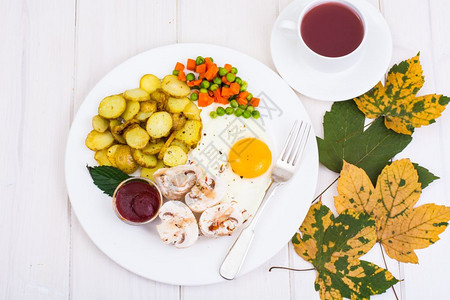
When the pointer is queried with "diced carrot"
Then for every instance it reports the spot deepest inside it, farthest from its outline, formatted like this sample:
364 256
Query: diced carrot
255 102
208 62
242 101
243 94
179 67
235 87
226 92
217 93
194 82
227 67
201 68
224 80
212 72
204 100
191 64
221 100
181 76
201 76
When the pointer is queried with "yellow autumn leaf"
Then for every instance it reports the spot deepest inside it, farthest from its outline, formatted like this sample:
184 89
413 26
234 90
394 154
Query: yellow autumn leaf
401 228
334 245
397 101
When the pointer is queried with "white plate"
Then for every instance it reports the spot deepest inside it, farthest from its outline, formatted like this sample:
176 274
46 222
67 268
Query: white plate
339 86
139 248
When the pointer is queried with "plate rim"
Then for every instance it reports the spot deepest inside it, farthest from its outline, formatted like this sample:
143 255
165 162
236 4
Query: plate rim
76 115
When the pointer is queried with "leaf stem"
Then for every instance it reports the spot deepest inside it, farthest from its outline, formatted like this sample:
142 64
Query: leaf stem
291 269
321 193
386 267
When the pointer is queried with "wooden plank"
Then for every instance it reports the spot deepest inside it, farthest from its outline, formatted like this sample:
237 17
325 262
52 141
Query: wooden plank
244 26
424 27
36 80
302 283
107 34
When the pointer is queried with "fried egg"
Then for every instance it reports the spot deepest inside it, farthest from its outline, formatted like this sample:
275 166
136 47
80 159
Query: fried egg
236 150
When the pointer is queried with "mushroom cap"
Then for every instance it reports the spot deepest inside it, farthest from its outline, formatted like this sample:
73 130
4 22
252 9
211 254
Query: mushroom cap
176 182
206 193
219 220
178 225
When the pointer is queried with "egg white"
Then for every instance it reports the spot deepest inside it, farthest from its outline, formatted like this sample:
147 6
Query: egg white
218 136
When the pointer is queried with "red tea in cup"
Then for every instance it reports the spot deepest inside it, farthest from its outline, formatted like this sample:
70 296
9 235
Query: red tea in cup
332 29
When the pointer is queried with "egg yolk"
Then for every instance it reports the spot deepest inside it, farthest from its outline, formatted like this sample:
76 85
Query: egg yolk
250 158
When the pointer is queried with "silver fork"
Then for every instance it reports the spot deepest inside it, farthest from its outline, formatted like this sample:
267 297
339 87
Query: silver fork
283 171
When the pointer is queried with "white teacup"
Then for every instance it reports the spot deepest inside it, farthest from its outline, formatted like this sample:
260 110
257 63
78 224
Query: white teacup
318 61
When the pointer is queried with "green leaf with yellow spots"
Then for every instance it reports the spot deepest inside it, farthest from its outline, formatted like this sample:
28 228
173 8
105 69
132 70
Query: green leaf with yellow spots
334 246
401 227
397 101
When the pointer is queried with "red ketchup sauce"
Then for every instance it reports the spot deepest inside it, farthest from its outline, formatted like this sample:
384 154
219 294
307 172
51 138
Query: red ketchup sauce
332 29
137 201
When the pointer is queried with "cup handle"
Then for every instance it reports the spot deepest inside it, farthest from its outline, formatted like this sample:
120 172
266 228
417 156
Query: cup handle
288 25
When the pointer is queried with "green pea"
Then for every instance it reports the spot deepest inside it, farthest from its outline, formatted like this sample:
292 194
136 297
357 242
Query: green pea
229 110
204 84
238 80
226 85
212 60
220 111
242 106
250 96
175 72
194 96
203 90
233 70
244 86
222 71
213 114
234 103
231 77
214 87
190 77
255 114
238 112
250 108
247 114
217 80
199 60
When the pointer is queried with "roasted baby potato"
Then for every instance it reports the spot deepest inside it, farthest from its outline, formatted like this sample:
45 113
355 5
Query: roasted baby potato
160 98
175 105
136 137
180 144
112 107
153 148
178 121
148 172
110 153
131 110
99 140
124 159
166 145
150 83
117 137
174 156
99 124
144 160
136 95
175 87
192 112
143 116
101 158
159 124
148 106
190 133
120 129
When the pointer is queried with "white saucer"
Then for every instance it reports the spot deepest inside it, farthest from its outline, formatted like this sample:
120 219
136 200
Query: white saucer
344 85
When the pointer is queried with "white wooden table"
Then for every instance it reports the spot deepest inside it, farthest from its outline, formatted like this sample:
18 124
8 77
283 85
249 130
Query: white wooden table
53 52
